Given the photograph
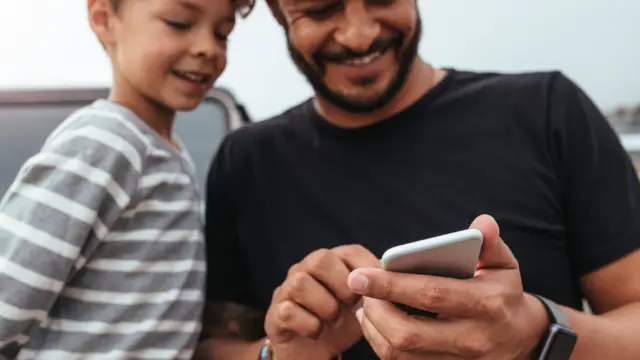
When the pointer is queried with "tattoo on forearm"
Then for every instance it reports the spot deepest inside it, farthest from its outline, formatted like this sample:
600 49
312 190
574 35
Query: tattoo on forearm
227 319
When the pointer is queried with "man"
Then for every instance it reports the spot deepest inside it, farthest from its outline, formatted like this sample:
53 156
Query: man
391 150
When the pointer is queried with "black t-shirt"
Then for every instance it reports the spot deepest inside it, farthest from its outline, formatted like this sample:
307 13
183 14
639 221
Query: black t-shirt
530 149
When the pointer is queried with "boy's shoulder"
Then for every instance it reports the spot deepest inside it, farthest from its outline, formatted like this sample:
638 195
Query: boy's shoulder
103 123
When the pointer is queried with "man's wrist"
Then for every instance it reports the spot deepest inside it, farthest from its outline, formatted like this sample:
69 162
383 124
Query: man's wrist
269 351
536 324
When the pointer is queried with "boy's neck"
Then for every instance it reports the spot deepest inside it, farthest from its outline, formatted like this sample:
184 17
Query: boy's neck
158 117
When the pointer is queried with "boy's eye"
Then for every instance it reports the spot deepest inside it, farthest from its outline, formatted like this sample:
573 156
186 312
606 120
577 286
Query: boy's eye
222 37
178 25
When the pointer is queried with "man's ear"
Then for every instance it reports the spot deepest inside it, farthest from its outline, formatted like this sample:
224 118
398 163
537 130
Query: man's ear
101 18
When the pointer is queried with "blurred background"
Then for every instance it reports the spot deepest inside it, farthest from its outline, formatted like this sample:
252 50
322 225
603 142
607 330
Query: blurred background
47 46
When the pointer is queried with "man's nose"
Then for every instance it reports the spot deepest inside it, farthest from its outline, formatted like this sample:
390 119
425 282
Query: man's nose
358 29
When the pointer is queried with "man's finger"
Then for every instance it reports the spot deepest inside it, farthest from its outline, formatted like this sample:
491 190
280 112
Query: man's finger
356 256
424 337
378 343
287 319
407 333
305 290
453 297
329 269
495 253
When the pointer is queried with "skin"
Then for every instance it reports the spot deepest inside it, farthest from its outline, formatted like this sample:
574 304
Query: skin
194 39
312 314
490 317
320 32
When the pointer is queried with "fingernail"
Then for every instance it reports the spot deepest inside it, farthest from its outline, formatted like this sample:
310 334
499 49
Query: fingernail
357 306
337 323
358 282
359 315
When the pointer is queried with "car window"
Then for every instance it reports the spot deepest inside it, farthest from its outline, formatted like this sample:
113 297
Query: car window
25 126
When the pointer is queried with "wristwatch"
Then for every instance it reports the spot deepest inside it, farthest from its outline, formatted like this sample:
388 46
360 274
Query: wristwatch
266 352
560 339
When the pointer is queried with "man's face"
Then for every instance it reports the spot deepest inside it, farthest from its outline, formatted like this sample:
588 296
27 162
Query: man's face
355 53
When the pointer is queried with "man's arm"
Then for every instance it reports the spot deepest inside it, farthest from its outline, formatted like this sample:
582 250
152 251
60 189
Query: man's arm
231 331
602 212
614 295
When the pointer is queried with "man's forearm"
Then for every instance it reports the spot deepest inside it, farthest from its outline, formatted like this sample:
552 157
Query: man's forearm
230 331
227 349
613 335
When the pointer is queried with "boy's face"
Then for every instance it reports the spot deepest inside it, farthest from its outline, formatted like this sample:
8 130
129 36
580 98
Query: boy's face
170 51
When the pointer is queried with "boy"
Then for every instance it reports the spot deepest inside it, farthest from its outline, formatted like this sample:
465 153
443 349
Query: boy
101 250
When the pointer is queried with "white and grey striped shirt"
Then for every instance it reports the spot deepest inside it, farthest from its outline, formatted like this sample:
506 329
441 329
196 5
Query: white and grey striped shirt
101 245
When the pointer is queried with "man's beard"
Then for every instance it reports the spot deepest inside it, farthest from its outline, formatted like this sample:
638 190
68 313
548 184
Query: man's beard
315 75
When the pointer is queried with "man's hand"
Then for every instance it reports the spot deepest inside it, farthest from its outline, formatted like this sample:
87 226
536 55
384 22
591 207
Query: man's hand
311 312
487 317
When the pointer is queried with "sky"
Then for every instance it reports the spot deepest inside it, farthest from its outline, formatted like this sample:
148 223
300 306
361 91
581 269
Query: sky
594 42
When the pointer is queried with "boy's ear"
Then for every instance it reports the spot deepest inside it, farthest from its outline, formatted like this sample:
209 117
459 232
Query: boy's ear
101 18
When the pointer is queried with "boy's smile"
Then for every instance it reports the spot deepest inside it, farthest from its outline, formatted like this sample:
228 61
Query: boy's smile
166 53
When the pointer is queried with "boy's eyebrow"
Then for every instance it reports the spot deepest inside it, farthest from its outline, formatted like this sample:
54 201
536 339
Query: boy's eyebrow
193 7
189 5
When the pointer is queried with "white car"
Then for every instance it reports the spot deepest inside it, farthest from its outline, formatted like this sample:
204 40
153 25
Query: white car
28 116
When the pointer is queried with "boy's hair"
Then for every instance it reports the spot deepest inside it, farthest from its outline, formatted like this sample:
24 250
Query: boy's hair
115 4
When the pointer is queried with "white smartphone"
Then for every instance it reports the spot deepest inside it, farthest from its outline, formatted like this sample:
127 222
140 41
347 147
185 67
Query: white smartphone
453 255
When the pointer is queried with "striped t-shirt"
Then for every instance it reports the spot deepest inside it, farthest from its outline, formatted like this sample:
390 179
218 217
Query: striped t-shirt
101 245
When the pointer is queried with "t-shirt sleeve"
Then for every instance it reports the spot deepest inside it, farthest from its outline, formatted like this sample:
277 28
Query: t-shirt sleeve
600 183
227 274
61 203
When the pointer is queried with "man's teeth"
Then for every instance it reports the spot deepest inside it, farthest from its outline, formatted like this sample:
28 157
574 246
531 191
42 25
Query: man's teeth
364 60
193 77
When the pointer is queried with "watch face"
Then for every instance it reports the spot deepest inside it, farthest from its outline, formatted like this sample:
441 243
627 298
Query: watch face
559 344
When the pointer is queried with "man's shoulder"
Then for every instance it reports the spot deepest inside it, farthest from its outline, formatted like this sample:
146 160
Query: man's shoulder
270 129
514 82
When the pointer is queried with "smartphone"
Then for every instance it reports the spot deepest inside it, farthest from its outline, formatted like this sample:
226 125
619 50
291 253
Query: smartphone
454 255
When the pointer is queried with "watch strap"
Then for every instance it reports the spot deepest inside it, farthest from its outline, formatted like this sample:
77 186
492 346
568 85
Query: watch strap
267 353
556 314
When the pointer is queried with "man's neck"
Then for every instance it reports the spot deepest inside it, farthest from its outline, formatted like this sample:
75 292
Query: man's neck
421 79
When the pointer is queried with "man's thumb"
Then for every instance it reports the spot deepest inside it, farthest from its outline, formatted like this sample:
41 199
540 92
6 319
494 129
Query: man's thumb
495 254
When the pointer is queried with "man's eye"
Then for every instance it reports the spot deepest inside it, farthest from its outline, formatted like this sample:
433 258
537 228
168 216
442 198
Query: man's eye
323 12
222 37
382 2
178 25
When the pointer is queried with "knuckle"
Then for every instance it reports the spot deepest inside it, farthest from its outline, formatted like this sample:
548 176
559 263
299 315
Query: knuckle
318 260
389 353
274 295
474 345
286 313
331 311
293 269
296 284
405 340
431 295
351 249
494 306
313 330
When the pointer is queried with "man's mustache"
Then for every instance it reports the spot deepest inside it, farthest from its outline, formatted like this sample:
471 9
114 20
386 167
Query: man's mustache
345 54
